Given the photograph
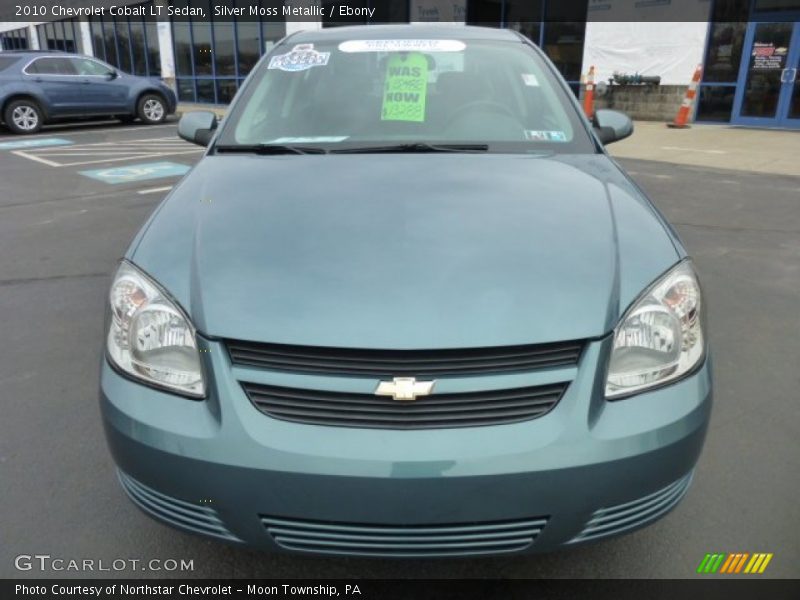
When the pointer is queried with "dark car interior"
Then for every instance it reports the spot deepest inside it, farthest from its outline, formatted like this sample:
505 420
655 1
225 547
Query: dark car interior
480 101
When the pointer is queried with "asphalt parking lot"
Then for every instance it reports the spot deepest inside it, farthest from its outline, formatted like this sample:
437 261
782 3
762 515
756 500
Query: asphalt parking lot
68 210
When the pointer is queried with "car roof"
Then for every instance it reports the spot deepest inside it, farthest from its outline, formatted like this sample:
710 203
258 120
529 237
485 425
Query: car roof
31 54
404 31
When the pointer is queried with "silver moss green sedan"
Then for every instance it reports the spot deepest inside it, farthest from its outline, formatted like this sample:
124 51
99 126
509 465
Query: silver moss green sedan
406 305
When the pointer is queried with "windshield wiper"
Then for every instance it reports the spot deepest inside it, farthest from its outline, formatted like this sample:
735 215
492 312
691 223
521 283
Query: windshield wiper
419 147
270 149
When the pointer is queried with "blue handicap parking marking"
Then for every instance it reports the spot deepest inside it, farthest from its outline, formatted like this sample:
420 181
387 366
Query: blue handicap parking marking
34 143
139 172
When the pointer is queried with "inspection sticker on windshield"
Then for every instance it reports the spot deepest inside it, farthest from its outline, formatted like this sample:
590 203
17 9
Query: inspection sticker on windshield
529 79
545 136
405 88
301 58
402 46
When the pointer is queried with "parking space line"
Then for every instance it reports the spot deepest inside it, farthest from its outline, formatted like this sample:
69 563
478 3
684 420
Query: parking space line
165 139
105 153
155 190
128 157
683 149
24 154
66 131
110 151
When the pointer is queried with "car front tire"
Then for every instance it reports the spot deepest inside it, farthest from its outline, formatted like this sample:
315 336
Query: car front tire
23 116
151 109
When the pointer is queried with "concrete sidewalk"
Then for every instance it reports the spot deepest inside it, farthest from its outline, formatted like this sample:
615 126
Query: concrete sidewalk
716 146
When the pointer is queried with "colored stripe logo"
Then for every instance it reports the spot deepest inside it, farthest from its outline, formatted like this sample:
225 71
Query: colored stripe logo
737 562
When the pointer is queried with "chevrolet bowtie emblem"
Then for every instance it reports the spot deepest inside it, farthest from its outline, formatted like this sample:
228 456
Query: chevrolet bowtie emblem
404 388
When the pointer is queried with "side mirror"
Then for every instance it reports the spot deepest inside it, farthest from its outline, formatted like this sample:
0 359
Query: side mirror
611 125
112 75
197 127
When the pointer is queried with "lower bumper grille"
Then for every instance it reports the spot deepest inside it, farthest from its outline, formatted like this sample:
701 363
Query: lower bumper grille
630 515
178 513
403 541
436 411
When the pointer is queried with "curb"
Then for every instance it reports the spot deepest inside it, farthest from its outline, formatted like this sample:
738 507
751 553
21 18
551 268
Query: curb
184 107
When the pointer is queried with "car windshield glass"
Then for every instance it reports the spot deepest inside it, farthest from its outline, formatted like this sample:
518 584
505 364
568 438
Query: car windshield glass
408 95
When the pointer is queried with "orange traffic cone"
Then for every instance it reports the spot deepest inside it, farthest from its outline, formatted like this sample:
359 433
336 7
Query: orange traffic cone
588 94
682 118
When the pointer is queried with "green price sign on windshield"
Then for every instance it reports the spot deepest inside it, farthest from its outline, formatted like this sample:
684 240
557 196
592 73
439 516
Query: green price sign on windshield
405 88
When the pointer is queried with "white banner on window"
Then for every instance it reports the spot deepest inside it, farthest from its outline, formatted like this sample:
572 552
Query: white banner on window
649 37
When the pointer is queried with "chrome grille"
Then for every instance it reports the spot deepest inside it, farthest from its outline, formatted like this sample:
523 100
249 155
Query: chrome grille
406 541
345 409
395 363
630 515
175 512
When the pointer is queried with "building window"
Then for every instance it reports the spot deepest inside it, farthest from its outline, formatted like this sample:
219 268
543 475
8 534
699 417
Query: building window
128 43
715 103
109 42
563 44
557 27
487 13
723 58
775 5
248 48
16 39
185 89
564 33
224 49
182 42
138 48
212 57
60 35
724 52
525 16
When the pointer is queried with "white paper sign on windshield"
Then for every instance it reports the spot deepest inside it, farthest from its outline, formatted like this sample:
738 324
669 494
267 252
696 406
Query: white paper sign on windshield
402 46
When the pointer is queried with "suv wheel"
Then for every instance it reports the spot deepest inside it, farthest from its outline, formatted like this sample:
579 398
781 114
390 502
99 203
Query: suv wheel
151 109
23 116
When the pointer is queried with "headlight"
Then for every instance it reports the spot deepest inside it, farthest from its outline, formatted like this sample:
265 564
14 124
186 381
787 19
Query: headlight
660 338
149 337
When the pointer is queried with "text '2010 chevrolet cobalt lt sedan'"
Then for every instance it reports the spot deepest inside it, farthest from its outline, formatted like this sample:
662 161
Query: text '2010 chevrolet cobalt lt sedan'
406 305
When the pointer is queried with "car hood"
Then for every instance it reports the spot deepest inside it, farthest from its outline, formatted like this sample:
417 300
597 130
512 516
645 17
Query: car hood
405 250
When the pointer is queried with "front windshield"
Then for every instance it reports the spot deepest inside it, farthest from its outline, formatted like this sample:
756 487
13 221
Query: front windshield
371 93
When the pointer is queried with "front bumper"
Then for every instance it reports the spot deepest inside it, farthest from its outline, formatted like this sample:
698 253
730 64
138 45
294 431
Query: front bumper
586 470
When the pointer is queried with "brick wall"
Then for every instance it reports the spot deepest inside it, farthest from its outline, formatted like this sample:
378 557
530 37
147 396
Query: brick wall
644 102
